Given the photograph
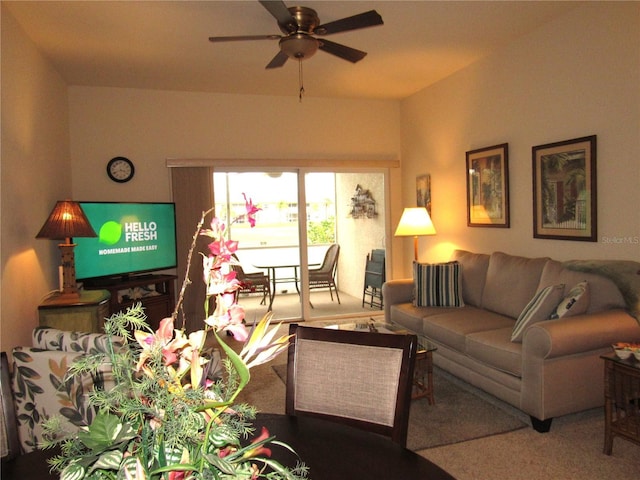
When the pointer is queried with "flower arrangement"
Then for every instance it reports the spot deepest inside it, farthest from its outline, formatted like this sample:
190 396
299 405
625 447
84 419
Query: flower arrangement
168 417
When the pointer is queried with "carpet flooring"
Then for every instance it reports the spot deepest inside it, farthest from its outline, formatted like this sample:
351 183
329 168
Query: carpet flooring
571 450
457 416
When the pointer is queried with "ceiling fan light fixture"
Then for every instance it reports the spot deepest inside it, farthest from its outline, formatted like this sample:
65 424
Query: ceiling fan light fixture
299 46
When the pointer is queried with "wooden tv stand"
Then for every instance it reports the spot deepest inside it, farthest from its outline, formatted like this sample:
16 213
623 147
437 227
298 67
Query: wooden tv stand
155 292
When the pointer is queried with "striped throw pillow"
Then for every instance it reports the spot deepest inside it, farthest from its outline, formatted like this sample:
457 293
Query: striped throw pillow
438 284
539 308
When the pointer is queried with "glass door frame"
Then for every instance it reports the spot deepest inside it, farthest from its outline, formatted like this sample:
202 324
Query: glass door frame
301 172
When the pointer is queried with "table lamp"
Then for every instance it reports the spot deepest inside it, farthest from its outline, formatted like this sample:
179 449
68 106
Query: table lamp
65 221
413 223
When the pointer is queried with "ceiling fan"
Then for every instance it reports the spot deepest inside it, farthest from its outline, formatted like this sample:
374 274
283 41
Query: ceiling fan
299 25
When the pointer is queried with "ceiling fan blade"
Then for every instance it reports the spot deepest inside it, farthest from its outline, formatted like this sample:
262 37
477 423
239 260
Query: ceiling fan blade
342 51
278 60
244 37
279 10
362 20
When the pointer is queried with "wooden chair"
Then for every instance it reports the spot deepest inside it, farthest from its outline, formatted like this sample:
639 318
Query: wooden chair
256 282
357 378
10 444
325 275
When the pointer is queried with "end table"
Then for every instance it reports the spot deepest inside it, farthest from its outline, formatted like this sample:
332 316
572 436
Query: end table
621 400
85 314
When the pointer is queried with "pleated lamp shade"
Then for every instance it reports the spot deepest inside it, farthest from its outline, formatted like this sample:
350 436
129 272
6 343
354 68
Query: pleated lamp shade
66 220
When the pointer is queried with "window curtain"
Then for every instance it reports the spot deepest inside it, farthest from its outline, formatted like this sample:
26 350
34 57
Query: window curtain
192 189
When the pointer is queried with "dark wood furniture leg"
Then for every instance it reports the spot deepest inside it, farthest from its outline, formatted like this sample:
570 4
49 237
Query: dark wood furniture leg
621 400
424 367
541 426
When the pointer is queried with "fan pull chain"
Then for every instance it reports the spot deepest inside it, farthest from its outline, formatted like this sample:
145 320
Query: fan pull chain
300 80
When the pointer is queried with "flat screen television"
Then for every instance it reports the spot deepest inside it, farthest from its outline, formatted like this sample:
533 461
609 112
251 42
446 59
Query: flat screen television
133 238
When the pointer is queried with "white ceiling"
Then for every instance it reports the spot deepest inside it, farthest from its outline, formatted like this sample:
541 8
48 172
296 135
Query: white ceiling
164 44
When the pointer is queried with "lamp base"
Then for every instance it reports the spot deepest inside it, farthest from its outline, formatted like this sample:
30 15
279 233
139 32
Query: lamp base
69 287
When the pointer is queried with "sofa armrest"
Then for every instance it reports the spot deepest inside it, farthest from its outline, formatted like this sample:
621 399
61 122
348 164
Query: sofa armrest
557 353
582 333
396 291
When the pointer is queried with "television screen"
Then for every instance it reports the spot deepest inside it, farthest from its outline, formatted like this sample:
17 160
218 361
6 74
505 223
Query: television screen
132 238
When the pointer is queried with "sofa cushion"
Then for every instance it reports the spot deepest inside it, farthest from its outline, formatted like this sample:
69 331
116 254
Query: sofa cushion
474 274
511 283
495 348
411 317
576 302
603 292
452 327
541 306
438 284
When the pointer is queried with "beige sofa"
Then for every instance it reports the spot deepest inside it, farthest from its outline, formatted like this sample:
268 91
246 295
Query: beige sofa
556 368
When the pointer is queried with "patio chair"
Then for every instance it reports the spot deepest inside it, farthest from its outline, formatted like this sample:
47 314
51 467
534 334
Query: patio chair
361 379
325 275
374 278
256 282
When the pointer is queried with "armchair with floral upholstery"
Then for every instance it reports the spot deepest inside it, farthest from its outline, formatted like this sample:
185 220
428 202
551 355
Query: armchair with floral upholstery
41 389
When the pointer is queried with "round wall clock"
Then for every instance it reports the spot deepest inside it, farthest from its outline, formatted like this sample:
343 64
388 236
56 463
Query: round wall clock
120 169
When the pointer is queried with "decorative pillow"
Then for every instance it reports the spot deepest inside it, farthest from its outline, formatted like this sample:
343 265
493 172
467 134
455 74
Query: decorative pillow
575 303
438 284
541 306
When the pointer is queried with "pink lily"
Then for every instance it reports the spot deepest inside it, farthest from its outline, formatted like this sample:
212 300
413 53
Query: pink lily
217 228
251 210
223 248
220 282
149 341
228 316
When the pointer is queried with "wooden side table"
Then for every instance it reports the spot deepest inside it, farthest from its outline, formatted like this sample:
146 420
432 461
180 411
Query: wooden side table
424 368
621 400
85 314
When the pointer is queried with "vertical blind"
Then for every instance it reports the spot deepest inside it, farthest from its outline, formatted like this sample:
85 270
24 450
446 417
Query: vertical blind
193 194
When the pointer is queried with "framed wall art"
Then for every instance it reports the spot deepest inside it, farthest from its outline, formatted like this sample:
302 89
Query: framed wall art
488 187
564 190
423 192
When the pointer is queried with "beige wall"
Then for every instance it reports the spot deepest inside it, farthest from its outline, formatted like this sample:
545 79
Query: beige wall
151 126
35 173
358 236
577 76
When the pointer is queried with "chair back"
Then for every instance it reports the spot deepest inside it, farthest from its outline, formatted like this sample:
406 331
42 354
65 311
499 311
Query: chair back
237 267
358 378
9 441
330 261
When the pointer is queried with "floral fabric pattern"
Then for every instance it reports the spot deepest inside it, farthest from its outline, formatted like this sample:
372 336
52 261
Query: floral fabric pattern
54 339
41 389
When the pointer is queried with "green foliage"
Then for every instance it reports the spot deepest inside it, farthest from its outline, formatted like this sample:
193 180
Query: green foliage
322 232
150 417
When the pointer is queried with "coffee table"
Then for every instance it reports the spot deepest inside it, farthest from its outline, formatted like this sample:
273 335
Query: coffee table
423 370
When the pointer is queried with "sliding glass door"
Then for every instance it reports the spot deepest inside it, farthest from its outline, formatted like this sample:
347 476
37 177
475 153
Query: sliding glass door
312 208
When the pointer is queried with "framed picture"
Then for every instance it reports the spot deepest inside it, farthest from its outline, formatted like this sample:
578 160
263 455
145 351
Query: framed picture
488 187
423 192
564 190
